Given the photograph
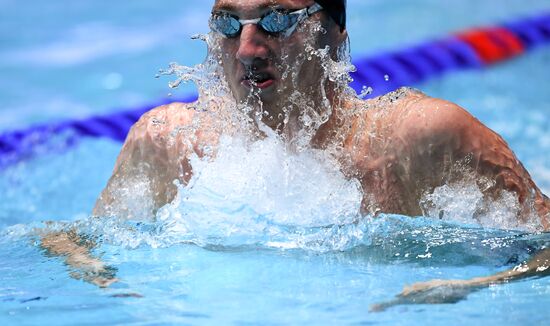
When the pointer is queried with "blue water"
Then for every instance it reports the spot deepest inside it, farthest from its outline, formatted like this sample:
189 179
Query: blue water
67 60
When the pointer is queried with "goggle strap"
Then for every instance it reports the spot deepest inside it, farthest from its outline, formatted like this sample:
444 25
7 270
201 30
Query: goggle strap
303 13
313 9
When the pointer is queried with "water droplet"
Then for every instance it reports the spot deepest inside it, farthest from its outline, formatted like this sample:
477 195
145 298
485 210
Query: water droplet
175 84
365 91
201 37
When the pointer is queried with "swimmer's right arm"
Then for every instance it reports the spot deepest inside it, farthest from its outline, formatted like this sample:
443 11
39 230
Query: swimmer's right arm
144 156
76 254
149 162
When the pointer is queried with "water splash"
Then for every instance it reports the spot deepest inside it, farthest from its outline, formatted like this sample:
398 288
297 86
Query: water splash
207 76
465 201
256 192
274 190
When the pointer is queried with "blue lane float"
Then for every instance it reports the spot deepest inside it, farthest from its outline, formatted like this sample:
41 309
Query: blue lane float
471 49
388 71
22 144
532 31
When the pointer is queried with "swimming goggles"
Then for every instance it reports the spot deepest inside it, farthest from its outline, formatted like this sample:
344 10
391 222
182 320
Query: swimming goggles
275 22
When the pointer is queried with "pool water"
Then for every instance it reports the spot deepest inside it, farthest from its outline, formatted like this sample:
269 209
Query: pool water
72 67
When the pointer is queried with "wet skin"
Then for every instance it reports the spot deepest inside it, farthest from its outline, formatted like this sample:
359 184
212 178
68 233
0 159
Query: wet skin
399 146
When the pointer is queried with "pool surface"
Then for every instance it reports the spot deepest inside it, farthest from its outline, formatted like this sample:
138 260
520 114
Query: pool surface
72 60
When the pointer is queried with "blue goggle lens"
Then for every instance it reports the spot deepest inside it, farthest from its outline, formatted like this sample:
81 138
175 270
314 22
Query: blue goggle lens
277 22
226 25
274 22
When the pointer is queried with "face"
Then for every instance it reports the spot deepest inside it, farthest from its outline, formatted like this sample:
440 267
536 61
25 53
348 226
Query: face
273 66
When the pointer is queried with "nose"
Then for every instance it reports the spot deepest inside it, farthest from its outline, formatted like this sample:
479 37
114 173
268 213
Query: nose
252 45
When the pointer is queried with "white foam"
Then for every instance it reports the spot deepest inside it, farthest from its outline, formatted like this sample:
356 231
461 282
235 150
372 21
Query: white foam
260 192
465 202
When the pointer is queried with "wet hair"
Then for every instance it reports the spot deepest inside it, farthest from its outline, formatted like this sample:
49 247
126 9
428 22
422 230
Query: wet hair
336 9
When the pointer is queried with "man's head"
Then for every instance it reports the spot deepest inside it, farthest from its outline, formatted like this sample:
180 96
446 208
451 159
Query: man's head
260 55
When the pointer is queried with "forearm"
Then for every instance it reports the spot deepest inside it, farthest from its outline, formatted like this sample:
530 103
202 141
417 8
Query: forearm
78 257
538 265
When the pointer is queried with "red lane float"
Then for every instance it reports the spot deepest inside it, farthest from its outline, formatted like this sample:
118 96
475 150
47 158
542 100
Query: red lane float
493 45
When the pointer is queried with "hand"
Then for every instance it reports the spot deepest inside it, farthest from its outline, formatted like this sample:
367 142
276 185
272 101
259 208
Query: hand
102 278
431 292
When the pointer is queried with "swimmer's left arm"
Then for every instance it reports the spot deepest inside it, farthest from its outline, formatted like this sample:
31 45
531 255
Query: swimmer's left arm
451 291
457 133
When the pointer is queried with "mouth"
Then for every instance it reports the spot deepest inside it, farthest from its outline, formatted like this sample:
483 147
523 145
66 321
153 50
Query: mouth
261 80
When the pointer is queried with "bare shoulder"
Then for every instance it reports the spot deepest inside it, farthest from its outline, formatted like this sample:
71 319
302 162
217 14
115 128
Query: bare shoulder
422 123
409 118
161 120
151 155
418 116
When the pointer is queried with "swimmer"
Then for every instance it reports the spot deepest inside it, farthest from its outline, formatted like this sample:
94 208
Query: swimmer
399 146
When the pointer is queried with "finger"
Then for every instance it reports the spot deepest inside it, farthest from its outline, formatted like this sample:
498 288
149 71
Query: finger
380 307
